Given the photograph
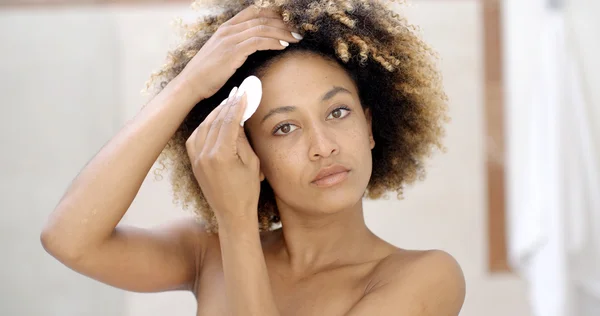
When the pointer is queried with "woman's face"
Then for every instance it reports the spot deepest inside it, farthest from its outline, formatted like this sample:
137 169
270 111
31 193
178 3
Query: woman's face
310 118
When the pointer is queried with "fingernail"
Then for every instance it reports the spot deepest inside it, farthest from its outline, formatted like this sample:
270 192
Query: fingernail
297 36
232 93
284 43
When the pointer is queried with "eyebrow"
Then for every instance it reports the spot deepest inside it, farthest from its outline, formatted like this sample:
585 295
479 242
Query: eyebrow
288 108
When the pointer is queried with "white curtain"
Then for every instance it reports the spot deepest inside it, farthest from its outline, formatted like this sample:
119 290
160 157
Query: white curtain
583 46
553 175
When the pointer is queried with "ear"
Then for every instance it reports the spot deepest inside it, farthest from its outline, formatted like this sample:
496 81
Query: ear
261 176
369 117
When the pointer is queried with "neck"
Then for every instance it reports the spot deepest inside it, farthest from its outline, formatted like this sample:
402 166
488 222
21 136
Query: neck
317 241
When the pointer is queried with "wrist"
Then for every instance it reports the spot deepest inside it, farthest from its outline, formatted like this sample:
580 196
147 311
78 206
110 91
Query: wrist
234 221
184 89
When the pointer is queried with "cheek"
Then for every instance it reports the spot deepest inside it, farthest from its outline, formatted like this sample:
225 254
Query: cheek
356 136
279 163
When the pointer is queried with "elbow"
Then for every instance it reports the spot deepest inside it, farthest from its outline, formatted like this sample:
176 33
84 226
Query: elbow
46 238
55 245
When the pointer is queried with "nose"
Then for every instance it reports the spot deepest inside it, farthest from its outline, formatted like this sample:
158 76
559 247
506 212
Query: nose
322 143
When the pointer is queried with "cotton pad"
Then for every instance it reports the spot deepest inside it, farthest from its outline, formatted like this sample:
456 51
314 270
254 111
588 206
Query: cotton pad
253 88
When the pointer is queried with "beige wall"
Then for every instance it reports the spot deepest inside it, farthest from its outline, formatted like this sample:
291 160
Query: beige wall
97 60
59 105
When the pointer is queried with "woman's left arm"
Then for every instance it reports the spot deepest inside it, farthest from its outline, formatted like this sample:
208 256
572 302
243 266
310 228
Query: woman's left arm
228 171
246 277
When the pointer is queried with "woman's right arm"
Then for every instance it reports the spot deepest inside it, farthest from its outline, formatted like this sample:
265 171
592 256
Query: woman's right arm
82 231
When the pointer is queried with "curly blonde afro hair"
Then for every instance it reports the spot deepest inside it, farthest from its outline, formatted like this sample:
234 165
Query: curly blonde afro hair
394 70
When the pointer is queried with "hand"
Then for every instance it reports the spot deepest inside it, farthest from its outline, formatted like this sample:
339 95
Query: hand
228 48
226 167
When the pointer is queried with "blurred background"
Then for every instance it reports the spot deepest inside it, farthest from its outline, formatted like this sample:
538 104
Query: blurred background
515 199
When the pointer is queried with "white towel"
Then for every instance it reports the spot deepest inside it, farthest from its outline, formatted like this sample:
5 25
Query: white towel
536 216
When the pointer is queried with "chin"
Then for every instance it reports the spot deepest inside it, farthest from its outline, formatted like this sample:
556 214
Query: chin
337 200
329 200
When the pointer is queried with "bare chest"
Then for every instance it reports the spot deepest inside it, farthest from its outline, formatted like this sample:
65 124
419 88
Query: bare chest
327 293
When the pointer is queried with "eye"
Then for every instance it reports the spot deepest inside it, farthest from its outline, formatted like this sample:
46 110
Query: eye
339 112
284 129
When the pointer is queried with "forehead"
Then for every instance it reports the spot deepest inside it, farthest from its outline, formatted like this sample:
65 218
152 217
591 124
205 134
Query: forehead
300 78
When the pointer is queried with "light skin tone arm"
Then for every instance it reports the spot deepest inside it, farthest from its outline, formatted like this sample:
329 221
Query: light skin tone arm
223 161
82 230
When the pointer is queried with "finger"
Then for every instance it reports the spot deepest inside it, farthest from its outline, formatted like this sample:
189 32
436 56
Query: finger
215 126
243 148
231 122
253 44
258 22
198 137
253 12
265 31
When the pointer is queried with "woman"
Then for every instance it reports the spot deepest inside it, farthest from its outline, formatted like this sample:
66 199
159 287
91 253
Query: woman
350 108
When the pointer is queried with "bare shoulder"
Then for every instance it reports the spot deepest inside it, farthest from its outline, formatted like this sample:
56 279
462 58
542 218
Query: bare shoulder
198 236
189 231
405 263
192 234
419 283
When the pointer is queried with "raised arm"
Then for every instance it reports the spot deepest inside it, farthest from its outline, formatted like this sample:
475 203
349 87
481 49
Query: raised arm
82 231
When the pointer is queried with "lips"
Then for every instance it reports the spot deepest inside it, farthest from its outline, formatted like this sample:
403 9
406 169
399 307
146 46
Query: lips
328 171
